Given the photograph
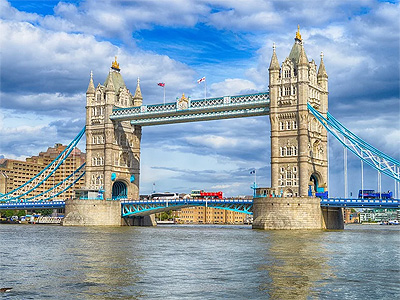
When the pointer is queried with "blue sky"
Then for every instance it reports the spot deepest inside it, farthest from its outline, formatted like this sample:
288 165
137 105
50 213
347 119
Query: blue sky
48 49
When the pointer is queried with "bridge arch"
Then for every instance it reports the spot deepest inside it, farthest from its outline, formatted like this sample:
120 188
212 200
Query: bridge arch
119 190
315 183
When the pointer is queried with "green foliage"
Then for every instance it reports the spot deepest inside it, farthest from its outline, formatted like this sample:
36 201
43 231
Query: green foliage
12 212
44 212
166 215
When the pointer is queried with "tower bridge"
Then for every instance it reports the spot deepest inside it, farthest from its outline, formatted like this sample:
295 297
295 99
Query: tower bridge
297 105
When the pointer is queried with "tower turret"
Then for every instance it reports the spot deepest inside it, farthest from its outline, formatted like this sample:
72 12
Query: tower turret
137 98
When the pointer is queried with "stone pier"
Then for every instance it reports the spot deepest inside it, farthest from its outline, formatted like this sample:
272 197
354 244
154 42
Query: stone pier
295 213
80 212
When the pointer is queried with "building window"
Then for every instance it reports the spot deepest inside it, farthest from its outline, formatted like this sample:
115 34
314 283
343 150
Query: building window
288 125
295 169
294 124
294 150
282 126
289 175
287 73
287 90
282 151
289 151
293 90
282 170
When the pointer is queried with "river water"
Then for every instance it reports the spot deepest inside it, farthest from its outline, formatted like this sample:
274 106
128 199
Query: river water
199 262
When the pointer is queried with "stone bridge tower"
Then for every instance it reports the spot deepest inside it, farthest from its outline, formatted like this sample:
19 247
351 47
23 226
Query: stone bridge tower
299 161
112 148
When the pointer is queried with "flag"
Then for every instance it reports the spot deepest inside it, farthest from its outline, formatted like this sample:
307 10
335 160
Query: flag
161 84
201 79
253 172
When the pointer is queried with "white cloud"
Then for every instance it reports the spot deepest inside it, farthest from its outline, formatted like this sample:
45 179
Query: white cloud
232 86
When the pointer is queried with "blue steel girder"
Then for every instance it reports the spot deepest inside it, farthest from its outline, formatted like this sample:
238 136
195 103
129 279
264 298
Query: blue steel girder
367 153
143 208
32 205
360 203
198 110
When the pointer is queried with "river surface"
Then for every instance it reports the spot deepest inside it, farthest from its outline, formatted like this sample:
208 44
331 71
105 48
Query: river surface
199 262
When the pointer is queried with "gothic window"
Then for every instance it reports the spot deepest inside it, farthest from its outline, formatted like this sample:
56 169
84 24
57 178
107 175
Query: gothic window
288 183
287 73
98 97
101 110
282 151
282 170
289 174
293 90
287 90
289 151
294 124
280 92
315 149
294 149
282 126
288 125
294 169
93 139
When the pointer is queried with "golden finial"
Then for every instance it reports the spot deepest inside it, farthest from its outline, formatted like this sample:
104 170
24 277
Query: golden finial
298 35
115 65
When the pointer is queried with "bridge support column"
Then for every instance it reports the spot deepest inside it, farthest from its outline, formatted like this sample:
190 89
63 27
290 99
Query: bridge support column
294 213
141 221
92 213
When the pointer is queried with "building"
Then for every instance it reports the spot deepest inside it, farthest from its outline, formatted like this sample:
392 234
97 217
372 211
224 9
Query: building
14 173
210 215
379 215
113 148
299 161
350 215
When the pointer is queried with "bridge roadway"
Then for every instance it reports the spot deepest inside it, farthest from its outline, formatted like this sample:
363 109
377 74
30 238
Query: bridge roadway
131 208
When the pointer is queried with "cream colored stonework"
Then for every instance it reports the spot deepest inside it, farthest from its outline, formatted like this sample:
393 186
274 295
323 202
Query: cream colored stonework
112 147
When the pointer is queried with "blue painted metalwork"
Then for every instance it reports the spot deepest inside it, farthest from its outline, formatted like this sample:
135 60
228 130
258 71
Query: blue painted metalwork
131 208
76 172
43 175
367 153
142 208
361 203
198 110
32 205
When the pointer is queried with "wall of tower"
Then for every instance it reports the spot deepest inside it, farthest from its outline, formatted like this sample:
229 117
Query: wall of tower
113 148
298 140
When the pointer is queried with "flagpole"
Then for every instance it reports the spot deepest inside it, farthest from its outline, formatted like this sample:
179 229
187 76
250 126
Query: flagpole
164 93
205 88
255 177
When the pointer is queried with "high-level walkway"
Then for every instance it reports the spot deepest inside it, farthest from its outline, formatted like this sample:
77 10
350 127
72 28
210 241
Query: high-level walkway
186 110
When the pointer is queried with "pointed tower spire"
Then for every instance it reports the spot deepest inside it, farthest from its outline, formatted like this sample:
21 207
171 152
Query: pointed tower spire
90 89
274 65
303 60
137 98
109 82
321 70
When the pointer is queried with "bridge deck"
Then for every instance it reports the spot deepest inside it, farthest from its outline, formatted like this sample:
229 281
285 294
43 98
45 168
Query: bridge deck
147 207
